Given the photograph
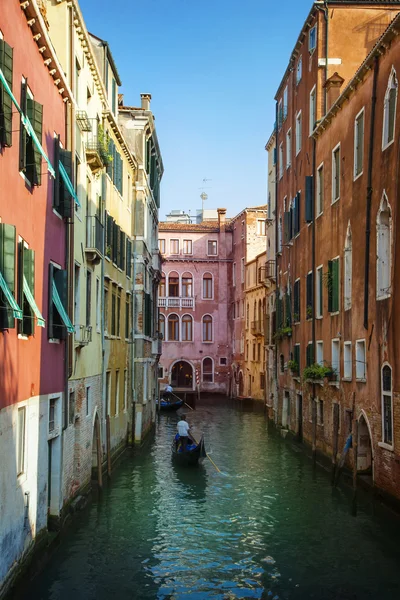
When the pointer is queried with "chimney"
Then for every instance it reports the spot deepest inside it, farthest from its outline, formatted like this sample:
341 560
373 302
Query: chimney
221 218
145 101
332 89
120 99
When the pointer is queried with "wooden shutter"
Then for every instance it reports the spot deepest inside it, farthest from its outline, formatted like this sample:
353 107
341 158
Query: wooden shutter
296 301
61 281
309 198
23 136
115 240
6 106
128 257
309 355
28 268
360 143
7 269
296 355
118 246
65 198
335 285
297 215
309 295
122 251
121 176
330 287
50 315
34 157
392 115
288 312
286 227
279 313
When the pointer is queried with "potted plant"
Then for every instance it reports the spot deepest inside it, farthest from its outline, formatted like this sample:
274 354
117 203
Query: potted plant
282 332
293 366
103 140
309 312
315 372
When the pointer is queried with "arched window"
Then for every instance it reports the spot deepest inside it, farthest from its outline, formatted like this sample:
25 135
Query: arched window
387 405
173 328
173 285
187 328
207 286
208 370
207 328
187 285
348 268
389 110
161 326
383 242
161 288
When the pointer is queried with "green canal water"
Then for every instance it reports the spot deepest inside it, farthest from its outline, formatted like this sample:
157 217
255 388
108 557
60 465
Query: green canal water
268 527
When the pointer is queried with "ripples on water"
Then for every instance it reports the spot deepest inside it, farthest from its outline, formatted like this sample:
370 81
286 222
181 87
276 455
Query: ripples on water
267 527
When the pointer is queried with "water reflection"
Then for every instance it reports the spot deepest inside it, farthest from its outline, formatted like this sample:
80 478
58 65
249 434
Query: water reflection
192 481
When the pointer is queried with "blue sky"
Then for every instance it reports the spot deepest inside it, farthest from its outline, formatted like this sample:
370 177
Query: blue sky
212 68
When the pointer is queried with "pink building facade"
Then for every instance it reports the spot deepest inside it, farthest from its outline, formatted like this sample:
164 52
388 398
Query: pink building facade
194 302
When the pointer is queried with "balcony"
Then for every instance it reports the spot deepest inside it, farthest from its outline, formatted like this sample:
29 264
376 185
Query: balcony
94 240
266 274
176 302
83 335
156 260
83 120
257 328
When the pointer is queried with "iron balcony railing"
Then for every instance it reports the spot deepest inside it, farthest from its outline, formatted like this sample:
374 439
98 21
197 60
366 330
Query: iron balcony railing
266 273
257 327
94 234
176 302
83 334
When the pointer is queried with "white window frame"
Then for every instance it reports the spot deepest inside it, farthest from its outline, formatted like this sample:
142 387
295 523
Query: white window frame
319 352
361 366
261 227
347 361
299 70
288 148
281 160
280 113
212 372
334 198
242 270
336 365
212 286
299 131
312 110
356 165
190 243
383 444
348 269
320 190
161 245
285 103
170 246
319 271
381 292
216 246
212 329
311 48
234 274
385 125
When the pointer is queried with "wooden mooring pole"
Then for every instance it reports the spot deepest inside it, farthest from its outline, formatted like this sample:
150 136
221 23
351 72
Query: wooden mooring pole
314 429
355 457
108 446
99 457
335 441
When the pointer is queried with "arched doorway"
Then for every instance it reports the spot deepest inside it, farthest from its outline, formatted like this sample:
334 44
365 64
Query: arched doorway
241 384
364 455
182 375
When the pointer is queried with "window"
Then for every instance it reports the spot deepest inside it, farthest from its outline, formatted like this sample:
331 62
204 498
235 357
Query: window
187 285
6 65
127 317
161 287
280 113
234 274
282 363
288 148
26 292
384 255
309 294
116 392
281 160
106 311
88 400
361 361
58 322
313 109
387 406
296 358
320 189
298 132
160 372
261 227
242 270
161 326
208 374
285 103
259 352
319 293
71 407
389 111
358 144
348 267
173 328
125 390
88 297
21 440
187 328
77 76
98 305
319 353
114 97
118 313
161 245
247 316
187 247
173 285
309 354
108 391
207 328
320 412
9 309
312 39
336 358
207 286
212 248
174 246
280 235
347 361
333 285
222 361
296 301
336 173
30 158
299 70
52 414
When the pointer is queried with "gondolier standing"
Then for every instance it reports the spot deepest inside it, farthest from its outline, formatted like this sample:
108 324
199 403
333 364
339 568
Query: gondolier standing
168 391
183 430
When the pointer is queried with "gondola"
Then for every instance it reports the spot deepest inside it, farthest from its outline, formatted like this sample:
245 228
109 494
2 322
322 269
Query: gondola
166 405
191 456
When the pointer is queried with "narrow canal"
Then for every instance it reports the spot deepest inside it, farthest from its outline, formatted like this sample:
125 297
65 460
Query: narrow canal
267 527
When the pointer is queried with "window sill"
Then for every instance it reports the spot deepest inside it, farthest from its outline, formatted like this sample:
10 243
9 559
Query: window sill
54 341
385 146
319 317
334 314
58 214
335 200
333 383
386 446
347 379
23 337
355 177
361 379
319 215
384 297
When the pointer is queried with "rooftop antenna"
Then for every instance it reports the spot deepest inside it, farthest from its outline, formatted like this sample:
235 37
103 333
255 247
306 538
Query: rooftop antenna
203 195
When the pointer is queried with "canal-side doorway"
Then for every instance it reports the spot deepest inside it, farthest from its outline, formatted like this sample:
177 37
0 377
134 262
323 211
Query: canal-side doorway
182 375
364 455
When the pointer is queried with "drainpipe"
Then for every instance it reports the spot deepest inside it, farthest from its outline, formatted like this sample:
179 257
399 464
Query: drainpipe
102 325
276 243
134 398
314 405
369 191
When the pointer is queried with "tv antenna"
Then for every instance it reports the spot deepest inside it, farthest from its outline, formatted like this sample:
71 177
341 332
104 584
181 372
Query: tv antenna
203 195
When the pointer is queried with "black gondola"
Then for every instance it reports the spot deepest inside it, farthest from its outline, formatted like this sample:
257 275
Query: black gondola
191 456
166 405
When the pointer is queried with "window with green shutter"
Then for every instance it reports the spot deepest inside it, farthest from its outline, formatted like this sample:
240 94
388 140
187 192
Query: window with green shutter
296 301
57 317
279 313
288 311
287 224
6 65
128 258
7 270
33 160
296 357
26 268
62 199
296 214
333 285
309 216
309 294
122 250
309 354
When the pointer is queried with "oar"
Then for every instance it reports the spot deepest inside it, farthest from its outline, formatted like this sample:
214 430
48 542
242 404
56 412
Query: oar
210 459
183 401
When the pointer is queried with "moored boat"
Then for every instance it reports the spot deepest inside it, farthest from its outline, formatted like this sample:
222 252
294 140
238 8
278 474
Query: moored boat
166 405
194 452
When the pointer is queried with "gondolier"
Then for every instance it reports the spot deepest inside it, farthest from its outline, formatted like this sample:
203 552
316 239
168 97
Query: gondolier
183 430
168 391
